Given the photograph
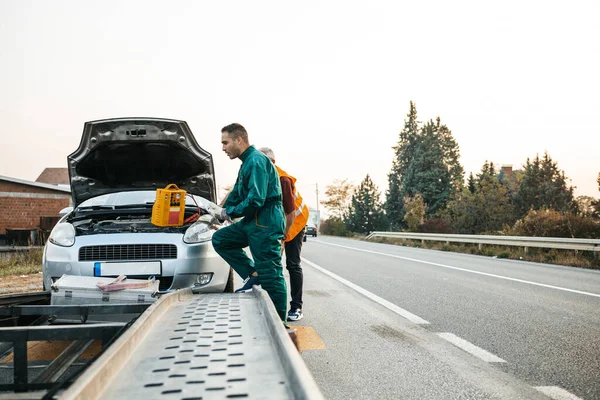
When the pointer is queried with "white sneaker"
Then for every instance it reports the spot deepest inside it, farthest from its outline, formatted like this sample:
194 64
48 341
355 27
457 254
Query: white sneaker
295 315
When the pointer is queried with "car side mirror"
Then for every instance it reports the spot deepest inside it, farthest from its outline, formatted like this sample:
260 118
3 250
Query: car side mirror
65 211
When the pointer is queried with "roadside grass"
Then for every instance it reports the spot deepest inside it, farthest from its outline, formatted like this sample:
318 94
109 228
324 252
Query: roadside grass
572 258
22 263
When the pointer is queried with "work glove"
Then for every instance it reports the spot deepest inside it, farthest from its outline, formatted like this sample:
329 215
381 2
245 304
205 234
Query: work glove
218 212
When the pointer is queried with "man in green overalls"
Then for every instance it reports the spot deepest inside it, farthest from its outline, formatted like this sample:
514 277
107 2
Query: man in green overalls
256 196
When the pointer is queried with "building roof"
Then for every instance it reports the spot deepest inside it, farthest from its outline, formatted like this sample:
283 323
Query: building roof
58 188
56 176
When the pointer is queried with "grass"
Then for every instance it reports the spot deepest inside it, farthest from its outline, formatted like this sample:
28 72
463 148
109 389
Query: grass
572 258
22 263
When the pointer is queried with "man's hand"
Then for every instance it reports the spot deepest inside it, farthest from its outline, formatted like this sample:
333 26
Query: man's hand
218 212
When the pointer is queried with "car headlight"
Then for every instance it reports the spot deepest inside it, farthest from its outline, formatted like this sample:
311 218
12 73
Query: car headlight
197 233
63 234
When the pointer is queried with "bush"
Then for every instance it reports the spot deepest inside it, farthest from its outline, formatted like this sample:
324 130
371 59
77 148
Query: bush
550 223
334 226
435 225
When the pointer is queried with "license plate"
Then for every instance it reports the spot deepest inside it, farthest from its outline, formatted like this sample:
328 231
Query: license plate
127 268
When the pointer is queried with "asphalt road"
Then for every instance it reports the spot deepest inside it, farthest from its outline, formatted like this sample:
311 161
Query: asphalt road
414 323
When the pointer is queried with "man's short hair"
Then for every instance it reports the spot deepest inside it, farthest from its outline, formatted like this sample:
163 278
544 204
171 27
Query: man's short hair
236 130
268 152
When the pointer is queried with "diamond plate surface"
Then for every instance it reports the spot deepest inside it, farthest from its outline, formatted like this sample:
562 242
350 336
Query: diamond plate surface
210 347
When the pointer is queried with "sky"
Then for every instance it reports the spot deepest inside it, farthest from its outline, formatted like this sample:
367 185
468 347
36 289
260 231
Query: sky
325 84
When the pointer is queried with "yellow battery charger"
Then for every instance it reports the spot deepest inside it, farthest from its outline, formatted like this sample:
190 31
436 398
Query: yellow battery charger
169 207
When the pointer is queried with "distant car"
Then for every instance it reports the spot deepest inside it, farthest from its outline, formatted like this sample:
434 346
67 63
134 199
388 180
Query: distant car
114 175
310 230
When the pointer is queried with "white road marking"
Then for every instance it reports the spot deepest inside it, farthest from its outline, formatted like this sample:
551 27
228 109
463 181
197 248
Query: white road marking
390 306
470 347
557 393
466 270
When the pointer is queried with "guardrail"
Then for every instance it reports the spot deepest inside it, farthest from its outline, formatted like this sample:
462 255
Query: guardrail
519 241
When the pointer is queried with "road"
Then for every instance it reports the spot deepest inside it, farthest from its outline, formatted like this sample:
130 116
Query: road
400 322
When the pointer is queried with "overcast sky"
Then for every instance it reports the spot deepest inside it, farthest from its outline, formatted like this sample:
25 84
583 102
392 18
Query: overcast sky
325 84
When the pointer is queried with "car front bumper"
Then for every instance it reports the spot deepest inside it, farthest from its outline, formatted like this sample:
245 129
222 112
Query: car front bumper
184 270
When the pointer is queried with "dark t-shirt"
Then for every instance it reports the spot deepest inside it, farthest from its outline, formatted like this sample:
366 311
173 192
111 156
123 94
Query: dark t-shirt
287 190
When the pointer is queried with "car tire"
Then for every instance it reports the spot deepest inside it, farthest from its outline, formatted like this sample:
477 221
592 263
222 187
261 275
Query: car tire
315 235
229 286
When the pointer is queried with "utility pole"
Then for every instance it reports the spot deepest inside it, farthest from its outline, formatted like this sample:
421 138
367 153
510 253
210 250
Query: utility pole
317 196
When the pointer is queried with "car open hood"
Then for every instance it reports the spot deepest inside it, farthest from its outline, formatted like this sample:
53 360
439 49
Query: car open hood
125 154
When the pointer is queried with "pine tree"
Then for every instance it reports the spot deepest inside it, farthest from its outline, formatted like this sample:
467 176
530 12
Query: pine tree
365 213
544 185
434 172
489 208
471 183
426 162
403 155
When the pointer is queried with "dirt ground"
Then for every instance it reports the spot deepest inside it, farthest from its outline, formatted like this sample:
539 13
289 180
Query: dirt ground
21 283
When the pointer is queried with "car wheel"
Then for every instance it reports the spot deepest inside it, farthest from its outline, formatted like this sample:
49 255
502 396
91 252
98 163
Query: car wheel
315 235
229 286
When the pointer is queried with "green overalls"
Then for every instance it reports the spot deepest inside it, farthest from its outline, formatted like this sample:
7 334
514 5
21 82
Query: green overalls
256 196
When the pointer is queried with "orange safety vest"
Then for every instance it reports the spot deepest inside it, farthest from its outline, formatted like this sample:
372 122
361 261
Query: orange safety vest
301 217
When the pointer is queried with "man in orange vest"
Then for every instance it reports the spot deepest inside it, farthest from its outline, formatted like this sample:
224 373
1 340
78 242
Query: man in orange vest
296 216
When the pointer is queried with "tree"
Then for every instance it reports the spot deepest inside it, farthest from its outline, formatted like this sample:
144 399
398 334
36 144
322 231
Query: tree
471 183
596 203
544 185
434 172
585 205
488 209
415 212
403 154
366 213
338 198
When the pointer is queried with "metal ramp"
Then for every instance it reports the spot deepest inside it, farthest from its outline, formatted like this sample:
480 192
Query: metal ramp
203 346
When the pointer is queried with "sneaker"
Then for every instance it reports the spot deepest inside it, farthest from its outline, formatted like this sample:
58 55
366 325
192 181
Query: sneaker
295 315
248 283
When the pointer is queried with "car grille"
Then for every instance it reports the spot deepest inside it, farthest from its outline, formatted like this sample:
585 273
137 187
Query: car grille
126 252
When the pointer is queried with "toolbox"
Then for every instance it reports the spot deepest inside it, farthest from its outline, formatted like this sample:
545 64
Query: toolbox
79 290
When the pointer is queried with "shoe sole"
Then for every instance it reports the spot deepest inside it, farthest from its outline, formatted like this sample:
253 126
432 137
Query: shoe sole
295 318
245 290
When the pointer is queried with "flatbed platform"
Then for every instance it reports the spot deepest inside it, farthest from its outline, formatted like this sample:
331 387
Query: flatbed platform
209 346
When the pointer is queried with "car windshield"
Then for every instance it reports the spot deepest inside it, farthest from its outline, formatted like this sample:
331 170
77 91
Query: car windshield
135 198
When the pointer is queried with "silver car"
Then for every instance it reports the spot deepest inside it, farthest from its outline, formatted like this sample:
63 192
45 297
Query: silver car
114 175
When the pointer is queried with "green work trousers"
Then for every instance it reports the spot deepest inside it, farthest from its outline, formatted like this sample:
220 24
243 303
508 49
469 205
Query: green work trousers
263 235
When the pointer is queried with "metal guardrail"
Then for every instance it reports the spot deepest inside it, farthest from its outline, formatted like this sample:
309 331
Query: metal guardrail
519 241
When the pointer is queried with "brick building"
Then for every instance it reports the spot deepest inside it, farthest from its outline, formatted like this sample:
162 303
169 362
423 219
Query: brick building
24 204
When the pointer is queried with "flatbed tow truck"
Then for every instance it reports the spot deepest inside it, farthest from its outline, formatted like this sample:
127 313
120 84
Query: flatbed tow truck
182 346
